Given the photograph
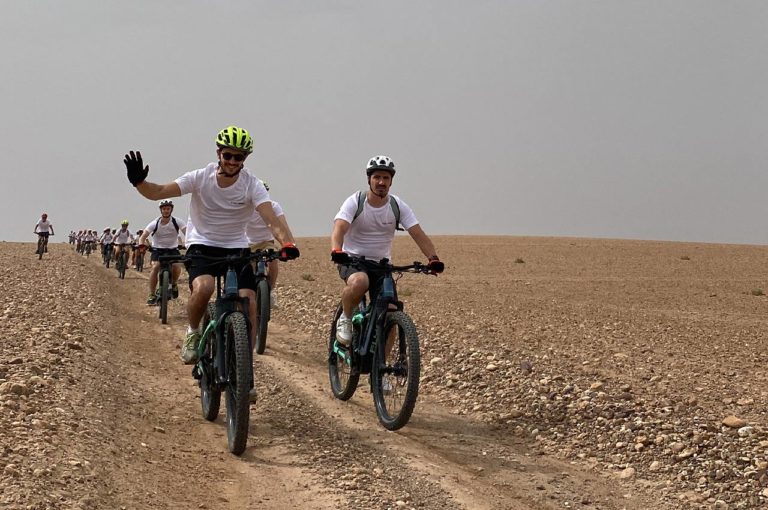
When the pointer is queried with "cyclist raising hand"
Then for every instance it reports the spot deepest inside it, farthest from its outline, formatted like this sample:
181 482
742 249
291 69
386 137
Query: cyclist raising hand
224 196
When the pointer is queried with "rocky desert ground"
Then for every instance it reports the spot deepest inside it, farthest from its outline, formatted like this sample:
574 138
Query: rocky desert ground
557 373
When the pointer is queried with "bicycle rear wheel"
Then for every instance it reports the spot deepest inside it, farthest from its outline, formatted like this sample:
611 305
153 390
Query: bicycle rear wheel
343 377
262 306
238 352
140 262
395 371
165 292
210 392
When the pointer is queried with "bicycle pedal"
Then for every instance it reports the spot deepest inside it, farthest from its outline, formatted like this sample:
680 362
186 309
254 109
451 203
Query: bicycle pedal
196 372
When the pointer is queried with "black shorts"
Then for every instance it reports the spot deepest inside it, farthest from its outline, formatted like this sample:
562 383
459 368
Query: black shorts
375 276
43 234
196 267
156 252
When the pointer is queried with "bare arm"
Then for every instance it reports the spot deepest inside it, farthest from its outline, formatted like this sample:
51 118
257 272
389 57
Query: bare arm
154 191
422 241
340 228
143 238
267 213
284 224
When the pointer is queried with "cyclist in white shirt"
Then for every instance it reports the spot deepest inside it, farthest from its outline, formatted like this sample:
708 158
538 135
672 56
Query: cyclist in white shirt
105 240
165 231
43 228
260 238
369 233
123 240
224 196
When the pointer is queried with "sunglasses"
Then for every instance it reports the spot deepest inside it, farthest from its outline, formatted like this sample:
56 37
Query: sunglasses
228 155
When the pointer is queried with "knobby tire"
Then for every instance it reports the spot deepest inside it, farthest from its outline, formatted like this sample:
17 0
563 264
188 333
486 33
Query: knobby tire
343 379
402 367
239 369
263 307
165 291
210 392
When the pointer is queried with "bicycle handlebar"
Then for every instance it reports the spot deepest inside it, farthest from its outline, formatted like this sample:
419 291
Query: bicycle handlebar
267 255
416 267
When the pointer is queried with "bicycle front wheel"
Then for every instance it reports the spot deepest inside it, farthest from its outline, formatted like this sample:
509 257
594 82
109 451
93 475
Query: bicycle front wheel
164 295
340 372
239 372
262 306
122 262
395 371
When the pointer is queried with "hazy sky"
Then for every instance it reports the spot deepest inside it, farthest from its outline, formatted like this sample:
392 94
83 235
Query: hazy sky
629 119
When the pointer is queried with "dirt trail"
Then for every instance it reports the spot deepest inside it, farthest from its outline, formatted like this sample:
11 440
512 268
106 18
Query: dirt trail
150 447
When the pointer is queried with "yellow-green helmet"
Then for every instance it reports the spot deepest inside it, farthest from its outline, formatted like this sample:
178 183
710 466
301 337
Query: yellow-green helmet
235 138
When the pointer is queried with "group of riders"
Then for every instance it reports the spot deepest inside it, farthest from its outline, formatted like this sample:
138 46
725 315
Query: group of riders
232 213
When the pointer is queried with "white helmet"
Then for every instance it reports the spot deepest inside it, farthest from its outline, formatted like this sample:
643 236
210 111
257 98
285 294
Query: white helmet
165 202
380 163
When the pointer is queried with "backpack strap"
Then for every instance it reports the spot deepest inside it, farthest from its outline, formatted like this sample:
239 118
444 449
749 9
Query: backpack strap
392 203
157 224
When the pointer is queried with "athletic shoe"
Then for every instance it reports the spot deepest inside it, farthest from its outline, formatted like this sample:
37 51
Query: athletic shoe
344 331
189 350
152 299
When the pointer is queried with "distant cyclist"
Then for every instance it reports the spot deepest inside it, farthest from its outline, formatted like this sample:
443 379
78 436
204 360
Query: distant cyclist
43 228
365 227
165 231
224 195
260 238
123 240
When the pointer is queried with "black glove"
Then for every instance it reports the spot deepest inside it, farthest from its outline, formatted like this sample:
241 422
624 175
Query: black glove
137 172
435 265
340 257
289 252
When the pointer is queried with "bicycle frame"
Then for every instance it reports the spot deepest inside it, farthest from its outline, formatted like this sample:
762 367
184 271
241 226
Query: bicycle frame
374 316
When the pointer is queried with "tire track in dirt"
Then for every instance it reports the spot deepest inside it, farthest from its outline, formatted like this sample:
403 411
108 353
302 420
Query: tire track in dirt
305 449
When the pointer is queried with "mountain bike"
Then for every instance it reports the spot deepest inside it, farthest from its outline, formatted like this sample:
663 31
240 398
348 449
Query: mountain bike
385 344
122 261
263 298
42 244
140 249
106 254
164 283
88 246
224 352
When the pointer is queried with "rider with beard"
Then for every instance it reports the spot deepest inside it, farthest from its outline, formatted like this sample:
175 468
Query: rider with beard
369 232
224 195
165 241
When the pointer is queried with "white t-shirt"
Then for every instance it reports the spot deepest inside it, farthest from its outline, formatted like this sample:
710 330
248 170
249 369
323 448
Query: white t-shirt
257 231
106 238
217 216
166 237
123 237
43 226
372 233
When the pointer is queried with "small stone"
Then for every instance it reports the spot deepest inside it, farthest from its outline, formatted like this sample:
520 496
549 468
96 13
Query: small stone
745 431
435 361
734 422
491 367
627 473
655 466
